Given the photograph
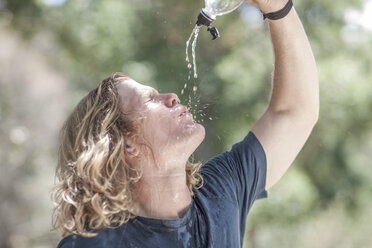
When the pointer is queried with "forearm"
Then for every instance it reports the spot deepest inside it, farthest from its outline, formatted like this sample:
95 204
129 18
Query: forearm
295 82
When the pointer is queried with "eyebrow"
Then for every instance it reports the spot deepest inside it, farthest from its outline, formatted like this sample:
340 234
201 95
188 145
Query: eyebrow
154 92
151 93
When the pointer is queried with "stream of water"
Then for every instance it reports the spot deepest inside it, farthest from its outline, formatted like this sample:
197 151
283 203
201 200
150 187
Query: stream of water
193 100
195 33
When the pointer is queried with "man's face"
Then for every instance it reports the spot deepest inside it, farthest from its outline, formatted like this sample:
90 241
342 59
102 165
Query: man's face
164 122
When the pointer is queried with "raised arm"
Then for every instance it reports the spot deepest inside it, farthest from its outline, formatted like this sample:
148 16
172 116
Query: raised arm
294 106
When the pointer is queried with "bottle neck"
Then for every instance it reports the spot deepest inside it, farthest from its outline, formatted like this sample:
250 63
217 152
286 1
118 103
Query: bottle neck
209 12
204 18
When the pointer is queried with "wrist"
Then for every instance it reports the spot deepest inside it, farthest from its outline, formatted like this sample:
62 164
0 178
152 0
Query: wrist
272 6
276 15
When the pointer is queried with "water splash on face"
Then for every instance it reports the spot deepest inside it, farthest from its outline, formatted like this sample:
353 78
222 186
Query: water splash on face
199 111
194 103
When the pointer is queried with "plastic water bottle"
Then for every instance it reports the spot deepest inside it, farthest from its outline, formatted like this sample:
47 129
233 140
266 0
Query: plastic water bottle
214 8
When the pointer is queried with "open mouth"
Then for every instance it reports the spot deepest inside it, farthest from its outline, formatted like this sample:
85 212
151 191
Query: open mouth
184 111
185 114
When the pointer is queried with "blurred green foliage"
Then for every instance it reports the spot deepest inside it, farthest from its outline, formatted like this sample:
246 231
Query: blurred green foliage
324 197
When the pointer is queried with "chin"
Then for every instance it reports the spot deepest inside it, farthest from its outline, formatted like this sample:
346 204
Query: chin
202 132
194 129
199 134
193 135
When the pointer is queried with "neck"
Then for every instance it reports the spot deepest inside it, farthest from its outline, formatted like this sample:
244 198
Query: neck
161 197
162 191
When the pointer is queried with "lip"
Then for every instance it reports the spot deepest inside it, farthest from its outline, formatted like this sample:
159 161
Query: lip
183 111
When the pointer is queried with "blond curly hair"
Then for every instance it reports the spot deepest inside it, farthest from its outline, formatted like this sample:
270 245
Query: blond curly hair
93 189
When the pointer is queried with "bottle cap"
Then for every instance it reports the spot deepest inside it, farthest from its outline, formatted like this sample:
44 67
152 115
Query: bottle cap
214 32
204 19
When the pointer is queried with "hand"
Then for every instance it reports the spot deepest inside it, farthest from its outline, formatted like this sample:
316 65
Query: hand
268 6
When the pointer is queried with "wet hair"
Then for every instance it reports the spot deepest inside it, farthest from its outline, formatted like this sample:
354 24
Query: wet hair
93 189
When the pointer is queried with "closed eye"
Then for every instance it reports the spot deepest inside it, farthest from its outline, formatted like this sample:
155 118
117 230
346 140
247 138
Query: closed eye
152 96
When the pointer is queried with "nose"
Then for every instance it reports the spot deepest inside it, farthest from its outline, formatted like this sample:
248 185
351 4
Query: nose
171 100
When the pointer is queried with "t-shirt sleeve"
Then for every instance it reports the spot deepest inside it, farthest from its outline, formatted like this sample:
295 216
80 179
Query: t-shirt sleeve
238 175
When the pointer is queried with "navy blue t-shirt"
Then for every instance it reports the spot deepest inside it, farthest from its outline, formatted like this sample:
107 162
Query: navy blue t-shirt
216 217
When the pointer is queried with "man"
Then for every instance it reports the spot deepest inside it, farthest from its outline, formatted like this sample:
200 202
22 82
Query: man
125 178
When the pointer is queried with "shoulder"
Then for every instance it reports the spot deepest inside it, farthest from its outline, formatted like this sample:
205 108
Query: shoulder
244 151
231 173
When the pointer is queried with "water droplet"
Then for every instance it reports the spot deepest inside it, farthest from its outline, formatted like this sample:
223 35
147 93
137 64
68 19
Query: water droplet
182 91
194 88
210 118
185 86
189 65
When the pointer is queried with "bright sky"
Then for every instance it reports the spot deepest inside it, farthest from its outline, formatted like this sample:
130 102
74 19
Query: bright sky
360 18
54 2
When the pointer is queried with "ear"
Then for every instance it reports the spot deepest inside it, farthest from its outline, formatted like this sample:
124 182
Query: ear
131 147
